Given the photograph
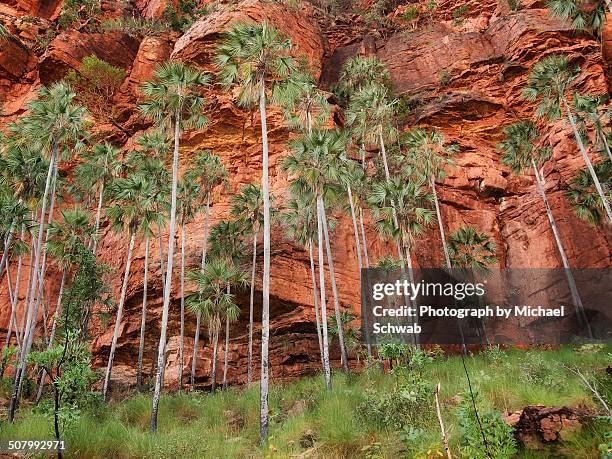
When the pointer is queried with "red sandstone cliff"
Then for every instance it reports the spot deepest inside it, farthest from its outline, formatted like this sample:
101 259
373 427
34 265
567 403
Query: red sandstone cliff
465 79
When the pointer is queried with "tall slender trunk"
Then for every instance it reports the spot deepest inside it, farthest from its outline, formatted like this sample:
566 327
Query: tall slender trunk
332 278
161 353
326 367
162 266
383 152
198 314
15 299
251 301
213 371
265 313
587 161
363 238
7 247
182 343
56 317
432 183
143 316
360 263
111 357
315 300
29 329
605 143
568 273
226 352
30 279
98 214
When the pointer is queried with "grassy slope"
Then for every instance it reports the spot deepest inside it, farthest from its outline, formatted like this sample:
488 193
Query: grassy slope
226 425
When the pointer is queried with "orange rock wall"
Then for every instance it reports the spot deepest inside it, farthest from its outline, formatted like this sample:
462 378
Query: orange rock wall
465 78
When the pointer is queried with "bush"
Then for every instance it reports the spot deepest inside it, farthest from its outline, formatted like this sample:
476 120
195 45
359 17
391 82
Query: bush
407 403
535 369
96 82
182 17
77 10
500 442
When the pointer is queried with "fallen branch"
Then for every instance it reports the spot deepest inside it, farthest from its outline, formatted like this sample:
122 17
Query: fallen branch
442 429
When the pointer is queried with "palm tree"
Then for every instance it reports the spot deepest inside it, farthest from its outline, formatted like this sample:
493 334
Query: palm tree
255 57
370 116
520 153
213 301
53 124
151 161
227 242
583 15
188 191
582 195
210 173
133 210
248 207
589 114
549 82
470 249
402 200
315 164
153 169
173 102
430 156
307 106
300 219
98 168
66 238
359 72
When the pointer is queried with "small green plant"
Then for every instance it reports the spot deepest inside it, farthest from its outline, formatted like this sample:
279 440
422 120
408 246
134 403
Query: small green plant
535 369
445 77
135 26
500 442
181 18
407 403
410 14
4 33
458 14
494 354
77 10
583 196
514 5
373 451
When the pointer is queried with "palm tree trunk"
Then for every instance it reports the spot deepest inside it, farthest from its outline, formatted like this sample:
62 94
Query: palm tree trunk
568 273
56 316
315 300
161 256
363 238
161 354
13 320
7 247
213 373
406 244
587 161
196 341
143 317
182 344
364 314
383 152
326 367
225 353
205 238
606 145
98 214
28 289
111 357
29 329
432 183
265 314
251 301
364 298
332 277
198 315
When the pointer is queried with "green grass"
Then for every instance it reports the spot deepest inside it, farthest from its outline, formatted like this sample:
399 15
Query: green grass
307 421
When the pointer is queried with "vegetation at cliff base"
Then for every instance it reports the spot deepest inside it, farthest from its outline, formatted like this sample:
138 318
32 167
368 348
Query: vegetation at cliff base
370 415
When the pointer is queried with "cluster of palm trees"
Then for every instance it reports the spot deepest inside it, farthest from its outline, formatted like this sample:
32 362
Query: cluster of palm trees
549 85
368 168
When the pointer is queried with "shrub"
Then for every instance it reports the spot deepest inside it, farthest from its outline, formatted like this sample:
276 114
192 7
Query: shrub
182 17
96 82
408 403
500 442
77 10
535 369
411 13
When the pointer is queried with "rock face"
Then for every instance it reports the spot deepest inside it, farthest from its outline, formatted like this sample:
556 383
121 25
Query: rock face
463 77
